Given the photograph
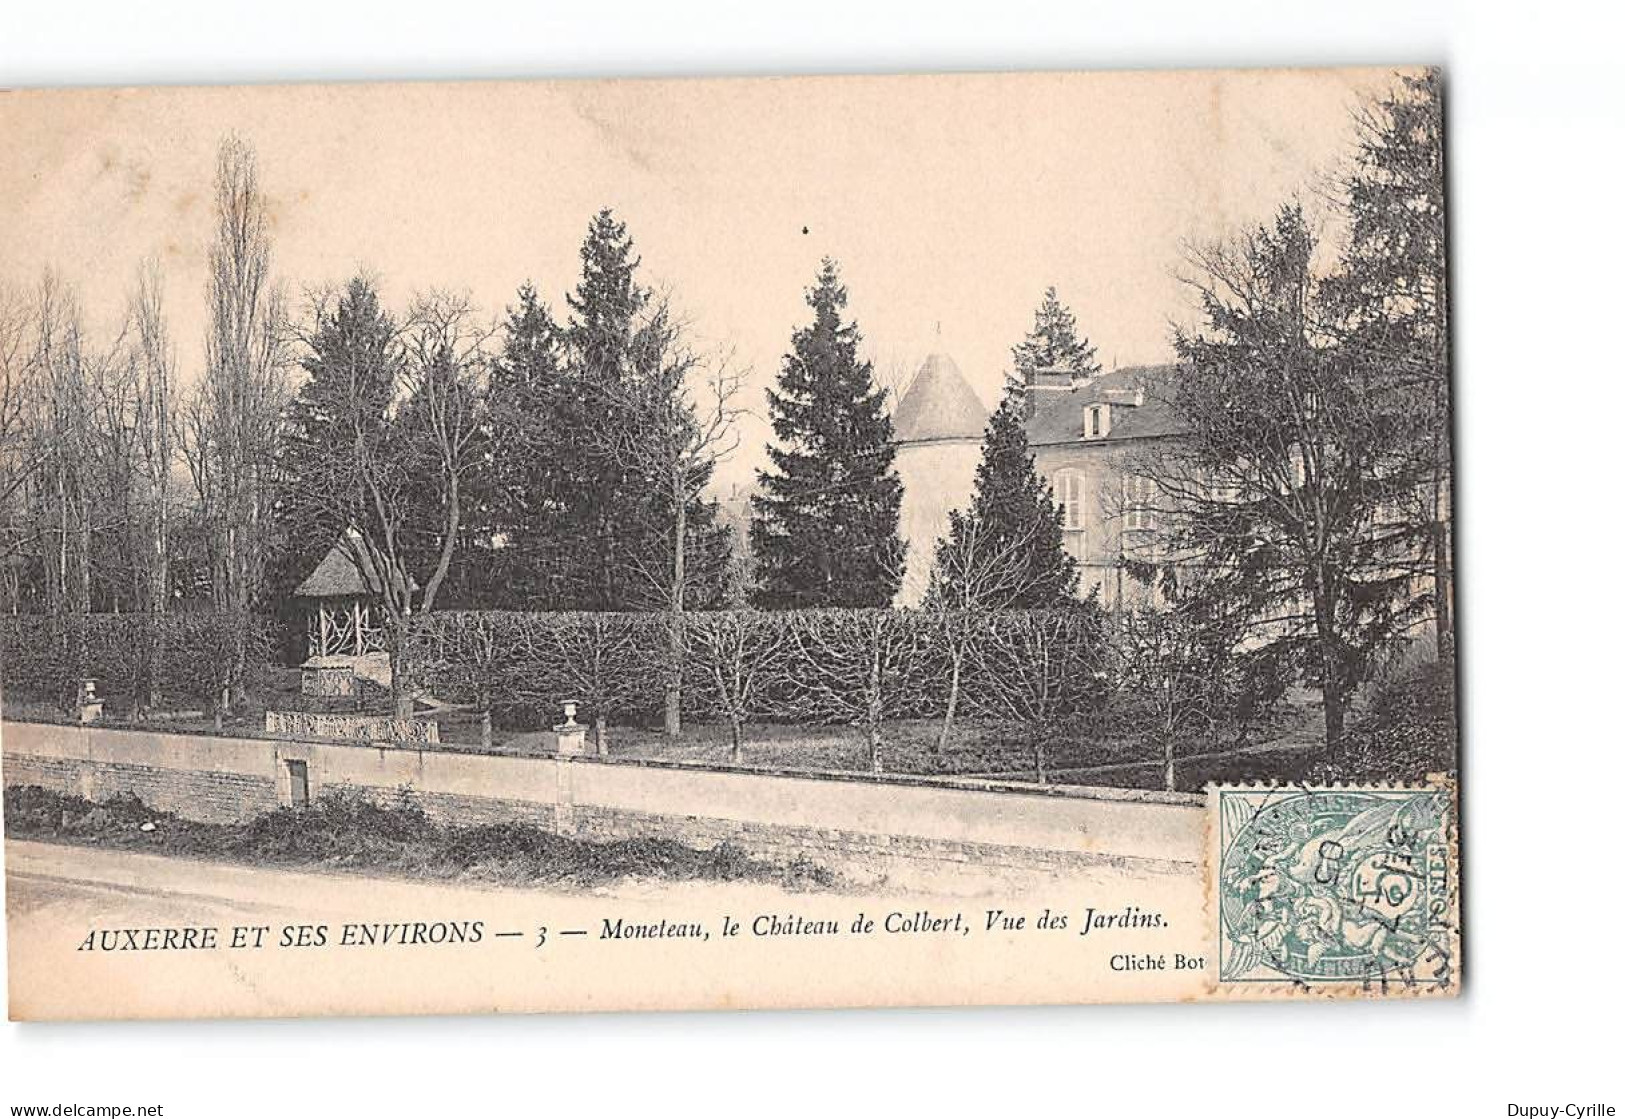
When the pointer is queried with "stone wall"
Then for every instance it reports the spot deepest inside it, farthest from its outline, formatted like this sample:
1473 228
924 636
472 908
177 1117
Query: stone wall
841 821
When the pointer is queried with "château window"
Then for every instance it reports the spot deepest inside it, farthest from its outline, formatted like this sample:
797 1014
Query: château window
1069 493
1094 421
1139 498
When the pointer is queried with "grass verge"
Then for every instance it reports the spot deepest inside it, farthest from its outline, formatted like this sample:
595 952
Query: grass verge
346 829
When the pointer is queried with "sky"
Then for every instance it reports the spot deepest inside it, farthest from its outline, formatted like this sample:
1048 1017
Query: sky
951 202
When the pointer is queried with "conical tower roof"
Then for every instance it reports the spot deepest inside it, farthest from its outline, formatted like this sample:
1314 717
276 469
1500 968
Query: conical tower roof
938 404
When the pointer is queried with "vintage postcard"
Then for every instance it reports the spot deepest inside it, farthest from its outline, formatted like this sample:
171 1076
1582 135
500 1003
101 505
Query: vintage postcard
727 543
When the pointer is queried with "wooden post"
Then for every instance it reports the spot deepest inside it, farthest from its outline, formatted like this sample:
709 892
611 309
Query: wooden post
322 628
355 608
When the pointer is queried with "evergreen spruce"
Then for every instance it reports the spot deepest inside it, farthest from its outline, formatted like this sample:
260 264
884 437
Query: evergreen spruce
619 522
1005 551
601 505
1390 295
605 305
1052 343
824 527
518 538
354 365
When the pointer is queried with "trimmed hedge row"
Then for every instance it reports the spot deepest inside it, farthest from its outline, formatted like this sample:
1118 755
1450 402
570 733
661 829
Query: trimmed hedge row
1041 669
186 658
810 666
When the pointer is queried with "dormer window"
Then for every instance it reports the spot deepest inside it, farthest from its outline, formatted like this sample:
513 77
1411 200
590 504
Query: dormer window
1097 421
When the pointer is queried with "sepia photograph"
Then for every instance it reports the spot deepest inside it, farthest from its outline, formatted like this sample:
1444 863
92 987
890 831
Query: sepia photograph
704 530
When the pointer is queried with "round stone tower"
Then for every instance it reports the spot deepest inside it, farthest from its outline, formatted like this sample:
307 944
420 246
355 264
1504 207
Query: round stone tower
937 429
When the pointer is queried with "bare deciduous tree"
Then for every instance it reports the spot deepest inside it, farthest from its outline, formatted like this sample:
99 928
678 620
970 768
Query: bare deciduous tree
465 652
980 574
593 658
738 652
400 479
677 418
1037 667
857 667
63 429
21 455
153 361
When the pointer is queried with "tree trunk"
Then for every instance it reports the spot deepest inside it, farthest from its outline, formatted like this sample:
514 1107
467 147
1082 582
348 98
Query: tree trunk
400 684
674 636
483 695
1333 700
1037 745
876 763
737 753
600 734
674 679
157 606
237 603
1444 638
1168 735
956 660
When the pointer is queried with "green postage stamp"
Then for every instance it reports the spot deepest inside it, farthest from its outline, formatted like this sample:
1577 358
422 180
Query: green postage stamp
1334 889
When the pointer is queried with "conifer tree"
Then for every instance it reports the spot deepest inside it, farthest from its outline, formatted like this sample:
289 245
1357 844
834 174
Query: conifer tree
1052 343
605 304
619 517
1005 551
1290 455
517 538
824 527
354 362
1391 298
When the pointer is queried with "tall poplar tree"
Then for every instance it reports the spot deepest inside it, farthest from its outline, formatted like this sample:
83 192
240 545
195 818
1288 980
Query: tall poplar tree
824 527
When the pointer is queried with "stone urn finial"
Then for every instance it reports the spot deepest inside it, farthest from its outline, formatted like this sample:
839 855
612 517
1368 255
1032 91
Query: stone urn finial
90 705
571 735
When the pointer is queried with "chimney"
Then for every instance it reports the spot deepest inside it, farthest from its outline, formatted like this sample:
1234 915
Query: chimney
1047 380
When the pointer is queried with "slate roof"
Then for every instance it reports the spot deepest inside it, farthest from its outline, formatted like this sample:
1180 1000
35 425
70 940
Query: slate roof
337 577
1058 415
938 404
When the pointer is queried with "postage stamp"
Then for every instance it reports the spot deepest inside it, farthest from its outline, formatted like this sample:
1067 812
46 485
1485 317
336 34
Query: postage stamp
1336 889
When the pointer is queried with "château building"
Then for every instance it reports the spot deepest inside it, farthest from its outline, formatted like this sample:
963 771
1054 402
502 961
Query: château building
937 429
1084 434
